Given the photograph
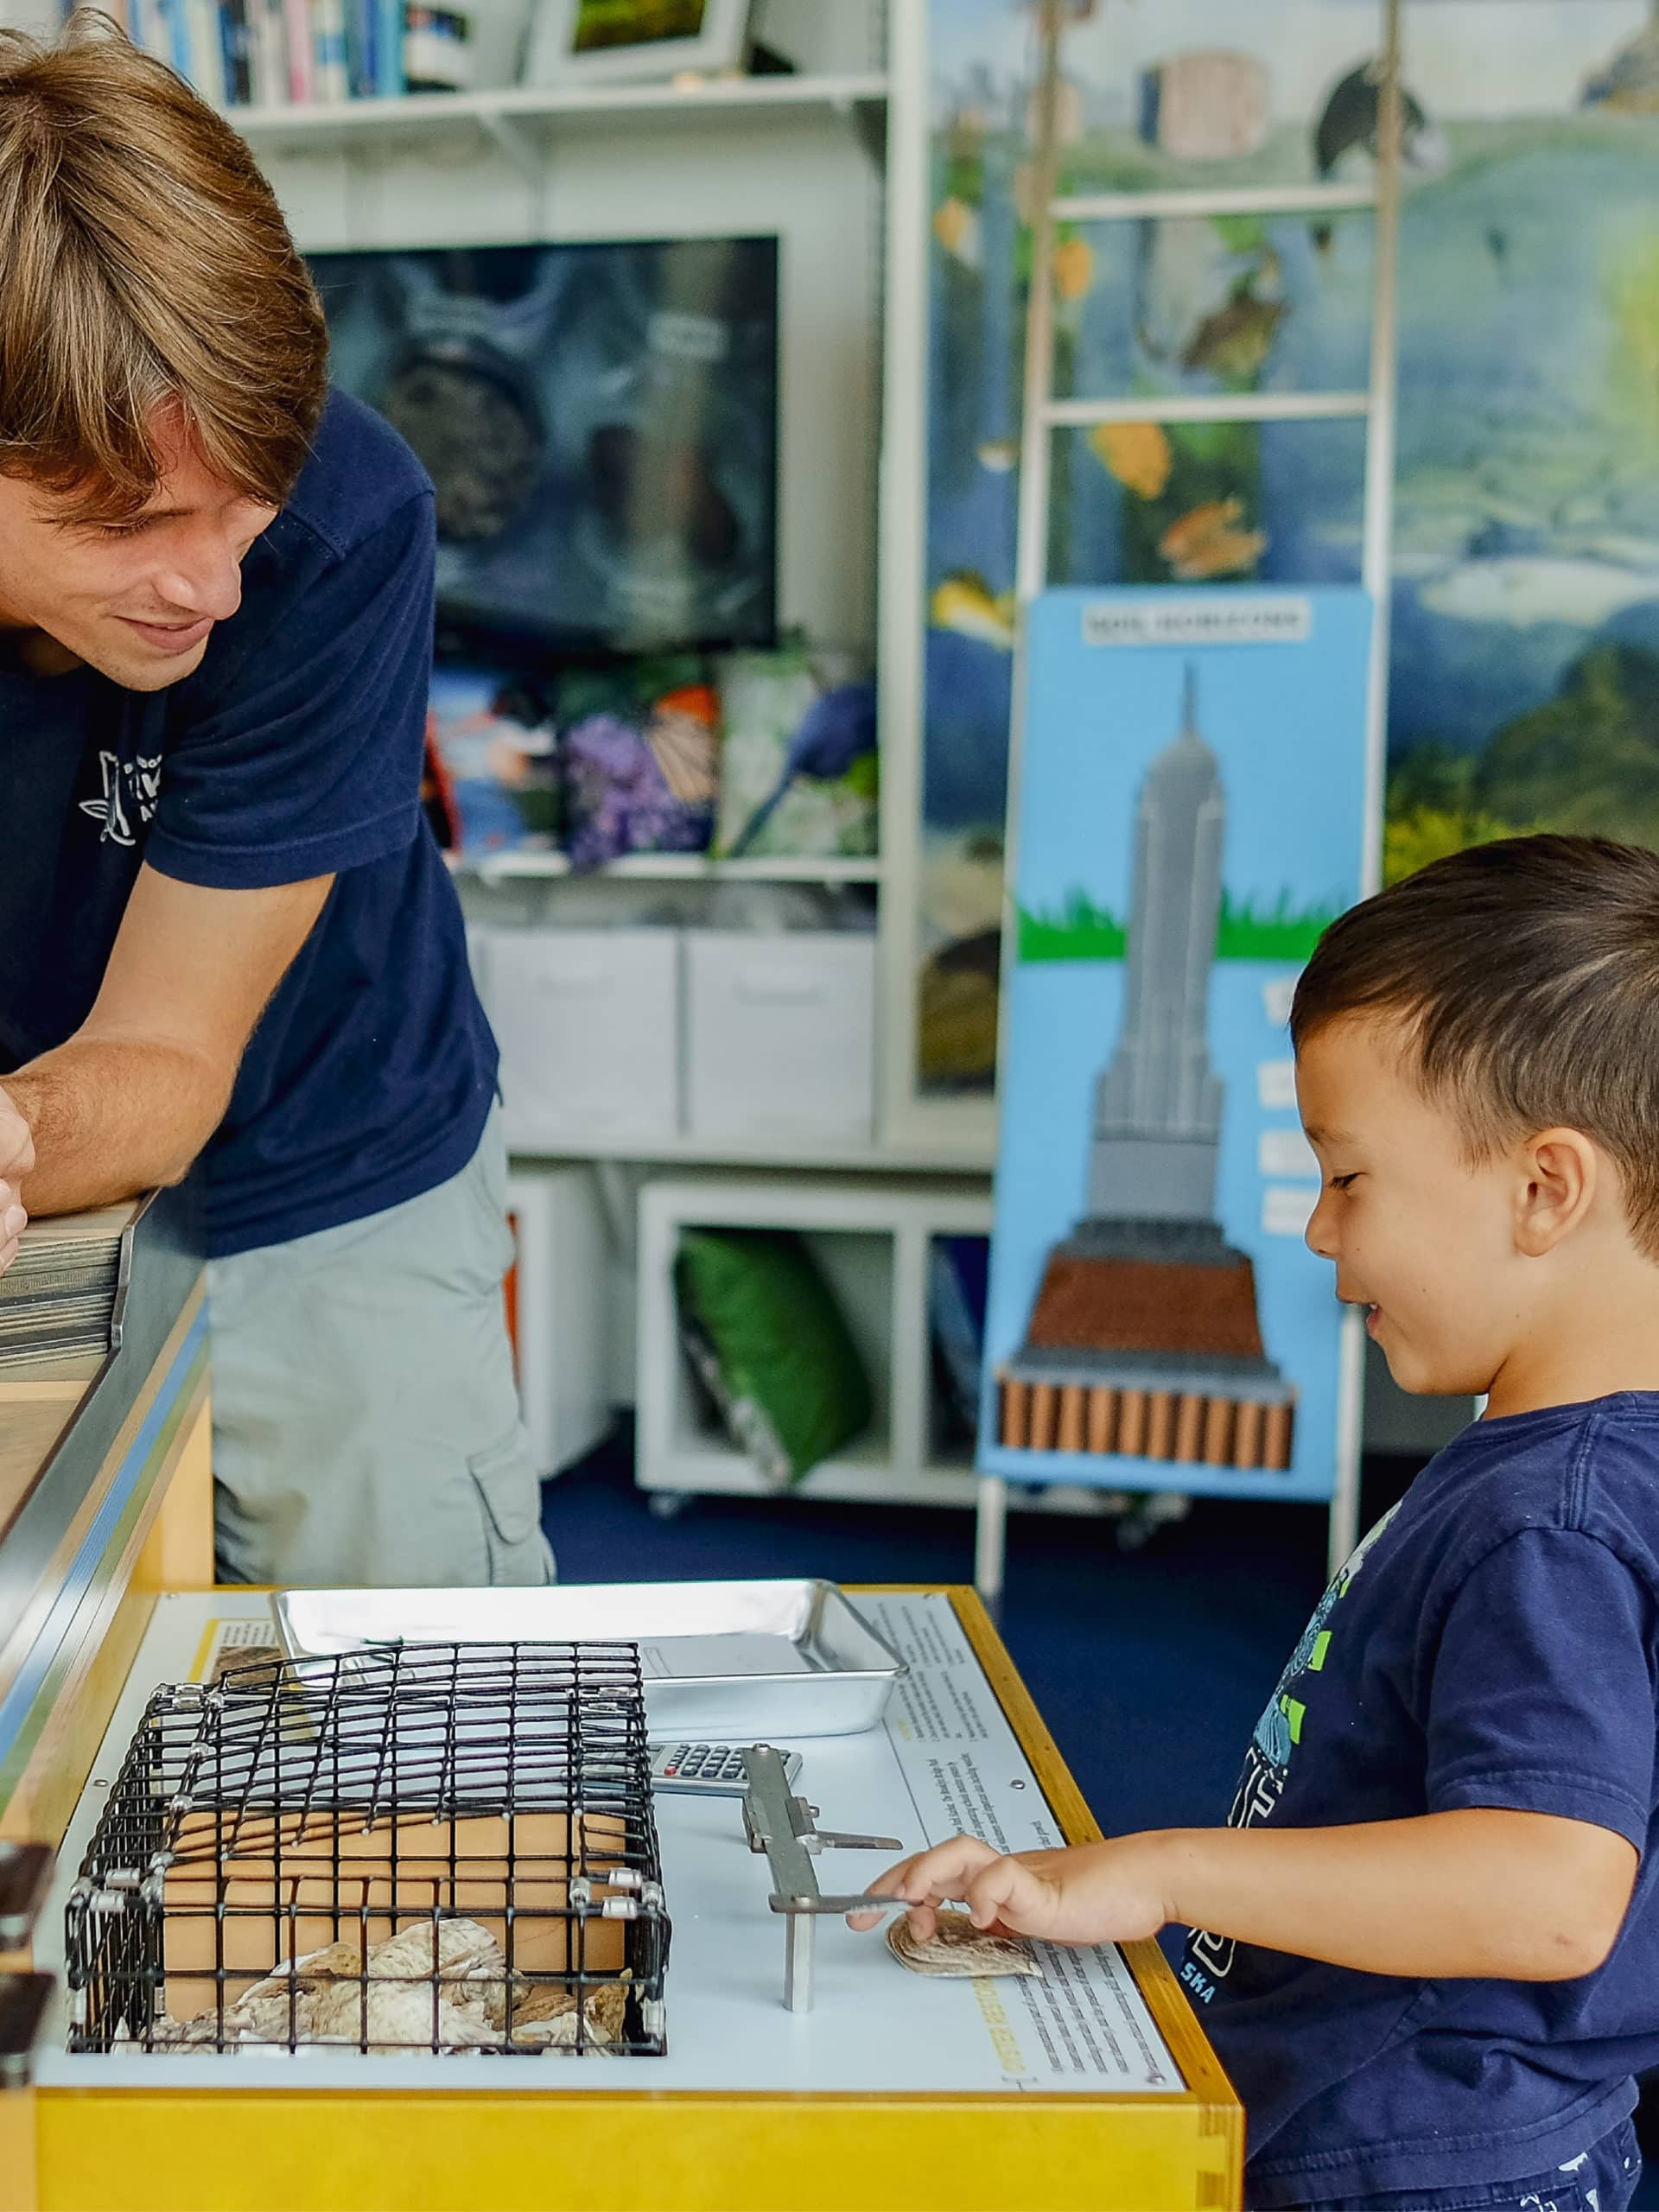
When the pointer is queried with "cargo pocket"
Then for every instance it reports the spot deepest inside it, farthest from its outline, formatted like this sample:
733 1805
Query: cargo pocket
510 1493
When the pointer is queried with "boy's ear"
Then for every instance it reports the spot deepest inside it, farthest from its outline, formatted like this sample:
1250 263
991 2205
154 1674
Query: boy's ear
1559 1171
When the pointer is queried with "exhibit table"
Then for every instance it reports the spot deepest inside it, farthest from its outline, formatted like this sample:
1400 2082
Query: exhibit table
1086 2085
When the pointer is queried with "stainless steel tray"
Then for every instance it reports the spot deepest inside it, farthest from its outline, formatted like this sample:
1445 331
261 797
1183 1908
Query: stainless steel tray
724 1662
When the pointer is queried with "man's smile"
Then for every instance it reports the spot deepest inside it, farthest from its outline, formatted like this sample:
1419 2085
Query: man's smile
170 637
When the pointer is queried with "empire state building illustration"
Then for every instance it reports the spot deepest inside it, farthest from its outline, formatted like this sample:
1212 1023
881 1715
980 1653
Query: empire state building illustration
1144 1339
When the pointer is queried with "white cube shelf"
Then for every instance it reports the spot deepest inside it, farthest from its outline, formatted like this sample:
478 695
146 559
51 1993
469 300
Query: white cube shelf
870 1239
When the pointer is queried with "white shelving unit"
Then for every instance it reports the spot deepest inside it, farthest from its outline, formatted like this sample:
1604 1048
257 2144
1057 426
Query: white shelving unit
833 160
817 158
870 1238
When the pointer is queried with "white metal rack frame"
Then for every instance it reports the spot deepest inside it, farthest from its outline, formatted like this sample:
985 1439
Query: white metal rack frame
1044 414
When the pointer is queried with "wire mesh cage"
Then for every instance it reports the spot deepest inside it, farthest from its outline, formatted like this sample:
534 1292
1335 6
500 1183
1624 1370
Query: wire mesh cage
437 1848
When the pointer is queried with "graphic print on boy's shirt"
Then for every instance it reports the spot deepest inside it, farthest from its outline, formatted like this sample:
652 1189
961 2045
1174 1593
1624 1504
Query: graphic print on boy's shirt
1267 1759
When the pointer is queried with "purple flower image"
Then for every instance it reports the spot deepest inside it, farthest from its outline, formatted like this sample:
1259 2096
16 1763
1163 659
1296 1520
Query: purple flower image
618 799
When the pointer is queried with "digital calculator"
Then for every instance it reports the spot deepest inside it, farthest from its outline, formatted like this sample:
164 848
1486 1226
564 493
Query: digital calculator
709 1769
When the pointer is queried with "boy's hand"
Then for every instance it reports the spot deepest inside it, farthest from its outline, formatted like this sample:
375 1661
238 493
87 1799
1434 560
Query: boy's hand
1478 1892
1093 1893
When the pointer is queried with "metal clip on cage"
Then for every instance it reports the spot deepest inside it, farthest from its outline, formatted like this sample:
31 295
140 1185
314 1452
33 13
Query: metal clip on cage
435 1848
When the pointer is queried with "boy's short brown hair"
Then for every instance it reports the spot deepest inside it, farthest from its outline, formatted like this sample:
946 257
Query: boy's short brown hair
1526 976
145 266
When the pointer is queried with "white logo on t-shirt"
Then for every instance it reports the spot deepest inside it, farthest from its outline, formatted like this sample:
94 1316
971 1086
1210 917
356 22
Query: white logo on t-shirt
131 791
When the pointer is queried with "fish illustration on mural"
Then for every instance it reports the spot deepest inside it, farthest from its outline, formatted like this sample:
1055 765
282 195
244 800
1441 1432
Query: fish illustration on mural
1074 268
1206 305
1207 542
1137 454
1234 342
965 602
1351 122
1629 83
957 227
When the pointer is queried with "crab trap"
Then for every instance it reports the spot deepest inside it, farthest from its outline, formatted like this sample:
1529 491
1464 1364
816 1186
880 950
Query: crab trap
435 1848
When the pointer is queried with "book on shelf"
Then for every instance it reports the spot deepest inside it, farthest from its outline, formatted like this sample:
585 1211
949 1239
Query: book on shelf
265 54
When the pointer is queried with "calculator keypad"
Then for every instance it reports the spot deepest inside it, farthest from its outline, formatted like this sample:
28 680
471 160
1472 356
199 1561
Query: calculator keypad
710 1764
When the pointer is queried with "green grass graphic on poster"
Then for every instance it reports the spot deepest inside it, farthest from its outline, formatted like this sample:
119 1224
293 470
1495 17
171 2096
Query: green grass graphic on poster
1246 929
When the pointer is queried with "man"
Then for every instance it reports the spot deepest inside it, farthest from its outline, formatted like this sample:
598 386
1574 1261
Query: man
225 929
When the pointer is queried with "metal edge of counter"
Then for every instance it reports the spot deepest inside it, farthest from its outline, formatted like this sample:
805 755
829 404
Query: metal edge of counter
73 1531
254 2149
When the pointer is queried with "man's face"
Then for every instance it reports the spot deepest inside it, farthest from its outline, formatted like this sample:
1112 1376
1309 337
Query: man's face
138 602
1420 1236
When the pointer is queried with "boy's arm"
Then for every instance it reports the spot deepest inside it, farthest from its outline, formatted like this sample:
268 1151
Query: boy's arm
1478 1892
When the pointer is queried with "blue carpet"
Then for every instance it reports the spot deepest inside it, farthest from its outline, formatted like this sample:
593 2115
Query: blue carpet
1150 1667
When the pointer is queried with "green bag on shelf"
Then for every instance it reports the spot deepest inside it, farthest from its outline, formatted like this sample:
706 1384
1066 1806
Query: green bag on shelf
763 1332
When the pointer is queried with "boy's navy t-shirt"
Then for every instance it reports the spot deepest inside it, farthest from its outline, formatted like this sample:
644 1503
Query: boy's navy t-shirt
1495 1641
294 750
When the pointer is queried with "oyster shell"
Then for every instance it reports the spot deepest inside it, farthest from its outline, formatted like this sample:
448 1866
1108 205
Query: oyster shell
336 1995
958 1950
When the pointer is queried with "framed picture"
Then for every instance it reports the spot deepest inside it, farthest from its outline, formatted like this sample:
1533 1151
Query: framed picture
595 42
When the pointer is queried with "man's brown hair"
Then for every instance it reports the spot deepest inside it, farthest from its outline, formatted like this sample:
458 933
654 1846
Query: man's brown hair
144 267
1525 977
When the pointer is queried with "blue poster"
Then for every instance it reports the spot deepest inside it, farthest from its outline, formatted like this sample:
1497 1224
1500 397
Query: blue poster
1190 816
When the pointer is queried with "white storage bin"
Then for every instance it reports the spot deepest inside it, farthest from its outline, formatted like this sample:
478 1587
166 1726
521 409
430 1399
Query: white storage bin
588 1025
781 1036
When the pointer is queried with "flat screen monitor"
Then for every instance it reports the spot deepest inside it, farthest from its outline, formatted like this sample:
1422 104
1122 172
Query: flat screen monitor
600 420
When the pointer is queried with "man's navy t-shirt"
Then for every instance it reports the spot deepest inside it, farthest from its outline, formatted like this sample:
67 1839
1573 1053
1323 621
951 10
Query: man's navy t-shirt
1495 1641
294 750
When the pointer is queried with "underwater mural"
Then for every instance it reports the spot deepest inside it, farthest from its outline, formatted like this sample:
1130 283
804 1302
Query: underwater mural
1524 670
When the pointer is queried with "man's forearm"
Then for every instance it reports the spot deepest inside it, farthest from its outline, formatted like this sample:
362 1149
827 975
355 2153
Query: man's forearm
1477 1893
111 1117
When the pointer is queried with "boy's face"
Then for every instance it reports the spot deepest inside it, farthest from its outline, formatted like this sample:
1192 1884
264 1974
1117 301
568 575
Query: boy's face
1419 1236
137 603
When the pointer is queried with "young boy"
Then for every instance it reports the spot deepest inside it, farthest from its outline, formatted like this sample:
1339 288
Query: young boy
1427 1945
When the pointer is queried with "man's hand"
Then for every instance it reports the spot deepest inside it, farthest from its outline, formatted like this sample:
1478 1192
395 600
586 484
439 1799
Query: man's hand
1092 1893
129 1100
16 1158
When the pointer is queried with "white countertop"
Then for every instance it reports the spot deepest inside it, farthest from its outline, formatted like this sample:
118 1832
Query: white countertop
944 1758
